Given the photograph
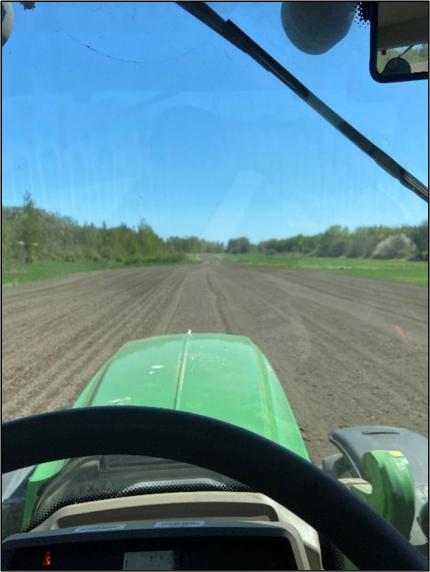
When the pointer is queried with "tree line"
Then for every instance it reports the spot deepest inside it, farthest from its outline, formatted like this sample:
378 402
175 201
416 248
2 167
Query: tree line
32 234
409 242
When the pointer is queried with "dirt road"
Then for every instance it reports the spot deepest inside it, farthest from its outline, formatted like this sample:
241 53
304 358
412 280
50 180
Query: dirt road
347 350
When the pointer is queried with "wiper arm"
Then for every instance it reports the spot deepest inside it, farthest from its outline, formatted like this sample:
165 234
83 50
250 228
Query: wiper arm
232 33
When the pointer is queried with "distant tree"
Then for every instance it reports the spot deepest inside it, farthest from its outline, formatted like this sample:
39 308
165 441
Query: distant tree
5 239
334 242
420 236
239 245
396 246
148 243
175 244
30 229
105 245
89 242
193 244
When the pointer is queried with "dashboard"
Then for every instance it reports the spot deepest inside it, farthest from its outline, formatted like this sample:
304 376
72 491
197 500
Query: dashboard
169 531
186 545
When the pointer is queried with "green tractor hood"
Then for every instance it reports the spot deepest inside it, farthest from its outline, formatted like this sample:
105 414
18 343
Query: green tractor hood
222 376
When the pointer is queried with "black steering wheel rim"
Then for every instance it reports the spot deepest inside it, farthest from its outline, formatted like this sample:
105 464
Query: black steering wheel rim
316 497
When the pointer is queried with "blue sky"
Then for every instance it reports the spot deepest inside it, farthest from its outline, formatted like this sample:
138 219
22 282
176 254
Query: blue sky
161 119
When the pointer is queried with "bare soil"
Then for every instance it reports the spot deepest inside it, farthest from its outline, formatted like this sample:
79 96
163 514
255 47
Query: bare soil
347 350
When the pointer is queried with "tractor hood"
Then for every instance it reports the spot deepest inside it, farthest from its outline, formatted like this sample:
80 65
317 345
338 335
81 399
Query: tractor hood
221 376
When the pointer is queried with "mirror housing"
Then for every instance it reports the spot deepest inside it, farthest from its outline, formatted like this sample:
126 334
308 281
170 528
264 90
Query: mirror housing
398 41
6 21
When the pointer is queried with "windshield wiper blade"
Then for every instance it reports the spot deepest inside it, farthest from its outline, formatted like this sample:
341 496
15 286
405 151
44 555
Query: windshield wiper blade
235 35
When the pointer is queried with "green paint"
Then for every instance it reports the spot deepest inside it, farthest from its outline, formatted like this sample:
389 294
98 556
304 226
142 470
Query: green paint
390 491
221 376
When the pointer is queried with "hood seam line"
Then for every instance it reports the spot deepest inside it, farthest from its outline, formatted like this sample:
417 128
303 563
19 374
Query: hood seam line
181 372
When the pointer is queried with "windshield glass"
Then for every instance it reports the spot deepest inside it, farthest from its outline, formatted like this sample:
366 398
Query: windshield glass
159 182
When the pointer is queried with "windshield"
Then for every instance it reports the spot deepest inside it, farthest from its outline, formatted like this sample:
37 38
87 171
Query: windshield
158 182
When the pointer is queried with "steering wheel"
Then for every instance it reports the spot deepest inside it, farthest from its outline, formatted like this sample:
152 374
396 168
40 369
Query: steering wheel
316 497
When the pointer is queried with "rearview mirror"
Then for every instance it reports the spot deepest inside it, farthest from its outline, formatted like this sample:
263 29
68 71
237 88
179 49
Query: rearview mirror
399 41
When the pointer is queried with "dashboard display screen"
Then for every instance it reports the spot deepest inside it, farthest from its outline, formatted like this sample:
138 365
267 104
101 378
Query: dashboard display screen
149 560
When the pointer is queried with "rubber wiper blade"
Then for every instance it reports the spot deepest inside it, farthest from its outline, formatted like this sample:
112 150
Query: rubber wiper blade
235 35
